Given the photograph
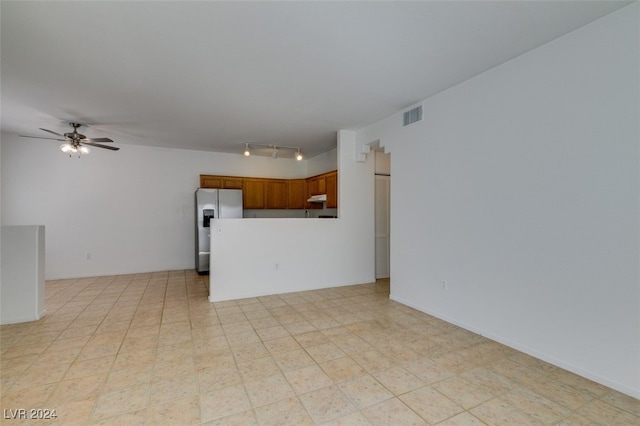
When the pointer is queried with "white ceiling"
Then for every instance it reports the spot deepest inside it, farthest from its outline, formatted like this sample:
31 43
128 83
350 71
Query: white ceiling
213 75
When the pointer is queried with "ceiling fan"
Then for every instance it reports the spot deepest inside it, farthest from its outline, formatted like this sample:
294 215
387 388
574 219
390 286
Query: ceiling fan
76 142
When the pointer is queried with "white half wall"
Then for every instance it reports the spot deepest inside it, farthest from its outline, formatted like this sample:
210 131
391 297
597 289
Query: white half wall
131 210
258 257
521 190
22 292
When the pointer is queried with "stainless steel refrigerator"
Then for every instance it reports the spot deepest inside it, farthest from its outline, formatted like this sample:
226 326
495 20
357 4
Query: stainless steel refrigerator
213 204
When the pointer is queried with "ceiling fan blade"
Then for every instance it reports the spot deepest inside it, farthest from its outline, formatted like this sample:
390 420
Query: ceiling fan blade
51 131
112 148
92 140
40 137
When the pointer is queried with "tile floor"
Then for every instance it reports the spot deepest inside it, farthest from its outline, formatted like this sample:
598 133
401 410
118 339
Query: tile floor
150 349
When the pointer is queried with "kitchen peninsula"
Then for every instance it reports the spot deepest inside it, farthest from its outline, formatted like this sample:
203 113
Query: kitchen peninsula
263 256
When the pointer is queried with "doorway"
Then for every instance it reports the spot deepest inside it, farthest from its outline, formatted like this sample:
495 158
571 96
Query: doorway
382 214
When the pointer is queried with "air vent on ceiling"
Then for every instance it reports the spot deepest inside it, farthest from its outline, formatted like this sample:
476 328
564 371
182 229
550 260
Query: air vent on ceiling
413 115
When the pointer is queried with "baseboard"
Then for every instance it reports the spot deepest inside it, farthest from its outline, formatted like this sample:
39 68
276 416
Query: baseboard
18 320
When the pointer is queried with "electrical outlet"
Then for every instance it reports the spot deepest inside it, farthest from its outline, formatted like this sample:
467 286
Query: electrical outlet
276 266
444 285
88 256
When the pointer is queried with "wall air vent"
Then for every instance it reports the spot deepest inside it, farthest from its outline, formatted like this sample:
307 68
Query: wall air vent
412 115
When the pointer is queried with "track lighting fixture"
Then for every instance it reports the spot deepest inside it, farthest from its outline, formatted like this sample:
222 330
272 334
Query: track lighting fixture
273 151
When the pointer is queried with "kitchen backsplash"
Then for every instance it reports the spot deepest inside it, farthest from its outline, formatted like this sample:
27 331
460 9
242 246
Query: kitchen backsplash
292 213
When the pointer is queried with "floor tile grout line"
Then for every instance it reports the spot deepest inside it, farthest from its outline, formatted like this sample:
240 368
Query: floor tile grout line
399 317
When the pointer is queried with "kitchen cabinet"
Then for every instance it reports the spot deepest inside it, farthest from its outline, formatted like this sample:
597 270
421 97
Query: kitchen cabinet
317 185
232 182
253 193
276 194
312 189
322 184
264 193
312 186
209 181
331 182
220 182
297 193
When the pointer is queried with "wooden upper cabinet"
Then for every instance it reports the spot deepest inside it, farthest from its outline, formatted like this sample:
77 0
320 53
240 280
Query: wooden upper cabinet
331 180
312 189
312 186
317 185
265 193
232 182
262 193
326 183
276 194
253 193
220 182
209 181
297 193
322 184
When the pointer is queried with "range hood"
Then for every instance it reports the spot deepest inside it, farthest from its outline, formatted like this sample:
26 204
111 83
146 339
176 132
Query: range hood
317 198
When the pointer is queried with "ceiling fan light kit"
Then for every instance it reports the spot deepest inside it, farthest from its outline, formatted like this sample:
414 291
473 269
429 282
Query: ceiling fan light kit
76 143
68 148
272 151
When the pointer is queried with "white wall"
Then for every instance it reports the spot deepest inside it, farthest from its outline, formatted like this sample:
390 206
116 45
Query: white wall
309 253
322 163
132 209
382 162
521 189
1 221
